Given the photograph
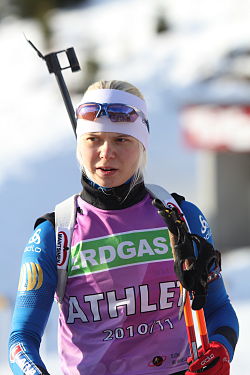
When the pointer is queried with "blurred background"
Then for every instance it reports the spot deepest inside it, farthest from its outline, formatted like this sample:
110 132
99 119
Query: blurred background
191 60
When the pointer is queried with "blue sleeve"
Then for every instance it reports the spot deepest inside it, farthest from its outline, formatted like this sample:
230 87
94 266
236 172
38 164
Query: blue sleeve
221 319
37 284
196 220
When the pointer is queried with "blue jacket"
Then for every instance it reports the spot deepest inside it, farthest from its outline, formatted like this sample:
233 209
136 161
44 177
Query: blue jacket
34 303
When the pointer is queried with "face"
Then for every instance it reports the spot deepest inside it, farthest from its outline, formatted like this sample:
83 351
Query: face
110 158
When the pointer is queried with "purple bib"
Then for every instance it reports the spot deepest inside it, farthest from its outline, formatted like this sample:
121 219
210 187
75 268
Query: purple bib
120 310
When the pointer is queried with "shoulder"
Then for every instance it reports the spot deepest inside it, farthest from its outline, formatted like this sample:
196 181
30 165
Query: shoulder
50 217
63 209
43 233
41 246
196 220
189 209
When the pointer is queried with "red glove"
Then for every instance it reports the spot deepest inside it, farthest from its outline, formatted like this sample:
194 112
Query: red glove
215 361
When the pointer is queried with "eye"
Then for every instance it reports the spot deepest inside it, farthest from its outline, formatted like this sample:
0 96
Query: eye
92 138
122 139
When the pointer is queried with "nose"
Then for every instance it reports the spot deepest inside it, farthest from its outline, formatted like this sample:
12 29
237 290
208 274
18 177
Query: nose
106 151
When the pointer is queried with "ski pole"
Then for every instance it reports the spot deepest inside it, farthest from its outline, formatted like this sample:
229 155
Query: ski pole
202 329
187 310
54 66
188 316
200 317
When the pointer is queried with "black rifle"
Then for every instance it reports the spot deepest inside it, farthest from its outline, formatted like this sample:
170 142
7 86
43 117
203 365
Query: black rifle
54 66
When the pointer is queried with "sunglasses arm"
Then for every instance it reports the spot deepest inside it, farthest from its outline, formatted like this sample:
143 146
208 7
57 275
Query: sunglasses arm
54 66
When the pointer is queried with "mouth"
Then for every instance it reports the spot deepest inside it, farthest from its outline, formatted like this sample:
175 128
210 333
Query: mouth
107 170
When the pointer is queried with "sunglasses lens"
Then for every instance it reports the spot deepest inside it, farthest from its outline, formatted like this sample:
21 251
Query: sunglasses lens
121 113
87 111
116 112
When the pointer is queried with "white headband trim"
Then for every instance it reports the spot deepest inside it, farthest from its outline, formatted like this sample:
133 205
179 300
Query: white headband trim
137 129
114 96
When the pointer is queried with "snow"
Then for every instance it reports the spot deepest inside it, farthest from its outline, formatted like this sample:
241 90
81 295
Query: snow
36 134
28 128
235 268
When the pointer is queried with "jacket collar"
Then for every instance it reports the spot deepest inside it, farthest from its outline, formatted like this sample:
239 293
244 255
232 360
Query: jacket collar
116 198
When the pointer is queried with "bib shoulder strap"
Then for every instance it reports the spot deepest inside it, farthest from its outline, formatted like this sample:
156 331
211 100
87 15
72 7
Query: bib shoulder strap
159 192
65 212
65 216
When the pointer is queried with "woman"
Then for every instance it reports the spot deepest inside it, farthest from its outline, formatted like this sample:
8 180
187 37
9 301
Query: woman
119 312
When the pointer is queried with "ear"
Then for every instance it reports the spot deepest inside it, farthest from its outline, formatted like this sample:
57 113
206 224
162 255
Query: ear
79 154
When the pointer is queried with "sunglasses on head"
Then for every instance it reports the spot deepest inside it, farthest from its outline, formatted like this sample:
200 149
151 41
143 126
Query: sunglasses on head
117 112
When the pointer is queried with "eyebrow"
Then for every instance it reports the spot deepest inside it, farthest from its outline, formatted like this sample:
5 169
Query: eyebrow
123 135
117 134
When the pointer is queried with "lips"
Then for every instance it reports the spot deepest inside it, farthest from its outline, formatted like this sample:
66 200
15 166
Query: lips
106 170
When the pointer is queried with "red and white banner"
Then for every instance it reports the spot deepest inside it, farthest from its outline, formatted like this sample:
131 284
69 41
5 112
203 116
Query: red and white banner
217 127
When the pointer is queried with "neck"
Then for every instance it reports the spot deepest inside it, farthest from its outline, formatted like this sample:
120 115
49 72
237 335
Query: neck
96 186
115 198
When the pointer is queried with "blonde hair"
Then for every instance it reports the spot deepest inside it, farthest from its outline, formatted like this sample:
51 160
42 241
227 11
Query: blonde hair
127 87
116 85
